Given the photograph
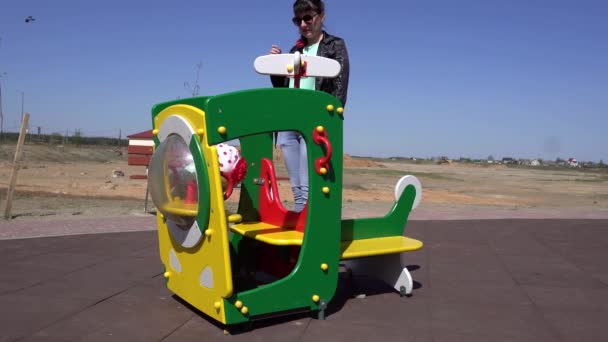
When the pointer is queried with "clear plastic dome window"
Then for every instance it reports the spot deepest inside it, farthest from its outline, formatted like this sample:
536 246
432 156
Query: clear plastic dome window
173 182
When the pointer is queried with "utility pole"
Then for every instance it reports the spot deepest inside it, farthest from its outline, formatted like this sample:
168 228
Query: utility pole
22 100
16 165
119 136
22 106
195 88
1 115
1 112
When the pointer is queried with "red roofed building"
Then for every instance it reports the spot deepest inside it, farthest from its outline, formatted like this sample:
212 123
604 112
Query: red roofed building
141 148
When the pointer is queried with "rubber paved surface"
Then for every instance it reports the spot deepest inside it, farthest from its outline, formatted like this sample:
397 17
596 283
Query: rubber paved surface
476 280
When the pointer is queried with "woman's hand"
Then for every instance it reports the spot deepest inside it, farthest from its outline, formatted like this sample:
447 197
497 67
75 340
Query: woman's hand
275 50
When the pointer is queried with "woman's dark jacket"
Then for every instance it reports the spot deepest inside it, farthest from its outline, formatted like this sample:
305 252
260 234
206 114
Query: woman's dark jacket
334 48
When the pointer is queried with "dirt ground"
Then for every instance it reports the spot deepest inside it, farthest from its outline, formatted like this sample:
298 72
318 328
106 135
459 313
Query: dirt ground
70 181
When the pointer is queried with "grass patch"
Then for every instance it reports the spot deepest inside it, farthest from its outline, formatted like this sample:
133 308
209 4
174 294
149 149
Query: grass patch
599 179
590 179
562 169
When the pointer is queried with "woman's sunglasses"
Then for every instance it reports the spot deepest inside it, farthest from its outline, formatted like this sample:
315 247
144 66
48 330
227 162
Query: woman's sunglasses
307 19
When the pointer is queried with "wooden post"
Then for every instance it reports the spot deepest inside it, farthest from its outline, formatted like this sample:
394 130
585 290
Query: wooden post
146 200
16 164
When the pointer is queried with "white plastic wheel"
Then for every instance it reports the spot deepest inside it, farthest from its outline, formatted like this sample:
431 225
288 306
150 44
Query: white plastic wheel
403 183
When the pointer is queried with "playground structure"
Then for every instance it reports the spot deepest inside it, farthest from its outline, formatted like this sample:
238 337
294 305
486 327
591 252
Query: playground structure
215 259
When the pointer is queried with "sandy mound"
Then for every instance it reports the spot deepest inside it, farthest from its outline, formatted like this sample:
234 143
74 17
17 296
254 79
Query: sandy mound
359 162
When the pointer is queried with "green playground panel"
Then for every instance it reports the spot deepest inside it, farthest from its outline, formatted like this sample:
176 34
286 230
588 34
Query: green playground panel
251 116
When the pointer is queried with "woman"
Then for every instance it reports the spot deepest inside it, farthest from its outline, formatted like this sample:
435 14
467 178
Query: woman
309 16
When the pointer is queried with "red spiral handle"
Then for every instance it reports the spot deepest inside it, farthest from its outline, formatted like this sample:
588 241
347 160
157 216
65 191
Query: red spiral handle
320 138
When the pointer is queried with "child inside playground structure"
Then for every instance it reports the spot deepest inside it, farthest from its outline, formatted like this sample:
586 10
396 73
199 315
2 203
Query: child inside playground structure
233 167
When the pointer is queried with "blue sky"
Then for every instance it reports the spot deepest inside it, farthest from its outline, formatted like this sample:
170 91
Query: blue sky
472 78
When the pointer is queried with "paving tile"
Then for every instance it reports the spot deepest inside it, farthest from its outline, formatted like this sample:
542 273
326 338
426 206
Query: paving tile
199 329
518 321
152 297
603 277
150 252
383 309
588 259
579 325
33 246
420 228
455 231
498 228
465 253
567 234
101 280
119 244
21 274
15 277
568 299
62 261
22 315
443 336
337 331
143 313
478 293
520 243
277 329
481 271
415 231
553 272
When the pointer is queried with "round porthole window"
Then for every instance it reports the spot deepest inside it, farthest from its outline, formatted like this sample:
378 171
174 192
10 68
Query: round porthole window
173 182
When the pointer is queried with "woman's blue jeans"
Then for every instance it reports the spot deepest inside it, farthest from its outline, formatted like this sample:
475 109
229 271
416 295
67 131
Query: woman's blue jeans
293 147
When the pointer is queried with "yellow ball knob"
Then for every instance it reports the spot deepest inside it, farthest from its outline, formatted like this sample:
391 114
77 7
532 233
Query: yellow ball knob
238 304
323 171
324 267
320 129
221 130
289 68
200 131
235 218
208 232
340 110
330 108
155 131
315 298
325 190
167 275
217 305
244 310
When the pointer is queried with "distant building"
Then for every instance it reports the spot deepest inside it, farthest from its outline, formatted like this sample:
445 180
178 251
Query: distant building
508 160
572 162
535 162
141 148
524 161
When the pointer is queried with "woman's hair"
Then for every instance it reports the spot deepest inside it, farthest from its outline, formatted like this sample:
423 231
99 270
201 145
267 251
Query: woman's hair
309 5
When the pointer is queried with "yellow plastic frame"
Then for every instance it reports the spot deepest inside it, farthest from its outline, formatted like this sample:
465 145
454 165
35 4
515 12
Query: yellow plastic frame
212 252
